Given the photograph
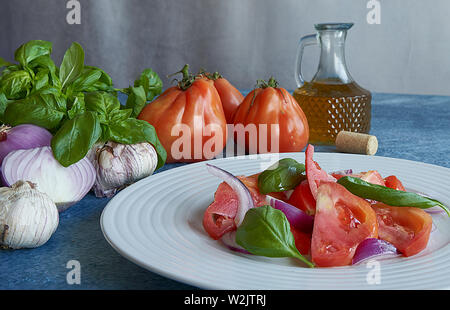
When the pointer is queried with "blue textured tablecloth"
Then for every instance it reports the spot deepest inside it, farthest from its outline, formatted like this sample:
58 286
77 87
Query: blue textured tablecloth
407 126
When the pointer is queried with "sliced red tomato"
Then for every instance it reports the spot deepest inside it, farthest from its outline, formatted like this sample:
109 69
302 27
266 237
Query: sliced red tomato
341 223
373 177
218 218
302 241
407 228
314 173
393 182
303 199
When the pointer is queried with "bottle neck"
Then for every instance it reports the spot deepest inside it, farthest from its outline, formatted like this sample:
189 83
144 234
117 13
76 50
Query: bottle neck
332 67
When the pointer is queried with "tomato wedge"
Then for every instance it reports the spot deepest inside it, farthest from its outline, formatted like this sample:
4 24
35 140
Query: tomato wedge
373 177
407 228
303 199
314 173
341 223
393 182
302 241
218 218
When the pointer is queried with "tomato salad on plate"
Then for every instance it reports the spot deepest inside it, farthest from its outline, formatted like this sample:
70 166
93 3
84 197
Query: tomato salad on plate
323 219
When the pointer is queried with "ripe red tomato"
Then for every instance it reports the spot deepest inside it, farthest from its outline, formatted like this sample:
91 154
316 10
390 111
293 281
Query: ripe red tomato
303 199
189 120
341 223
270 120
302 241
407 228
314 173
230 96
392 182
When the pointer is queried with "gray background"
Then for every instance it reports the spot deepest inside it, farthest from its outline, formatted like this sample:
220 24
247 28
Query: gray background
409 52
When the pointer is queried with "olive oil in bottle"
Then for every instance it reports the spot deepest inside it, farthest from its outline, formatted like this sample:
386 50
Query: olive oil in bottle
331 108
332 101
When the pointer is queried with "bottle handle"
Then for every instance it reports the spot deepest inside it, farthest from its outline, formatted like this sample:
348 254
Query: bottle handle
304 41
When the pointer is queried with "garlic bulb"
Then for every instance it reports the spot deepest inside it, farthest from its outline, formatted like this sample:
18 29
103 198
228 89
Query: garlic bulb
118 165
28 218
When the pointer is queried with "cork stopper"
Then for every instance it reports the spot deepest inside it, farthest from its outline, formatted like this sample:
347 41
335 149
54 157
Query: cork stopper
358 143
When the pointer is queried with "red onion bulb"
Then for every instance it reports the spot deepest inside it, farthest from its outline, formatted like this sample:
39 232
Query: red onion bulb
22 137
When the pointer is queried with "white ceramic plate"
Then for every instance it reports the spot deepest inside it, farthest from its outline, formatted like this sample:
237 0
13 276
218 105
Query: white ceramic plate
157 224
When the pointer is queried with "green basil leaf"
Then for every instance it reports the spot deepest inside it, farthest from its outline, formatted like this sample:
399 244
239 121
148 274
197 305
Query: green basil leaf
77 106
136 100
119 115
75 138
388 195
104 79
52 97
31 50
85 82
10 69
151 82
72 64
284 175
45 62
102 102
41 79
3 105
132 131
265 231
32 111
16 84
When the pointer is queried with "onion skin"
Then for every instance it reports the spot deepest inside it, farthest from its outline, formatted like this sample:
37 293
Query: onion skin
22 137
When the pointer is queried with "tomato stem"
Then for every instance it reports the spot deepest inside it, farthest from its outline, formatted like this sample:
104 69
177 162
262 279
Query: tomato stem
216 75
188 79
270 83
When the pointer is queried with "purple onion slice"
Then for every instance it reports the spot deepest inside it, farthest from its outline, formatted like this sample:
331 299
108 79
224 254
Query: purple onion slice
295 216
373 247
343 172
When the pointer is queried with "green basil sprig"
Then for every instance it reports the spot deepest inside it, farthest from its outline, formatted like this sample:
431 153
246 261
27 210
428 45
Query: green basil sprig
284 175
265 231
78 103
388 195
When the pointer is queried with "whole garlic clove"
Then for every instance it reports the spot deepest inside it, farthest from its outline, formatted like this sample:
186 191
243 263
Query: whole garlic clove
119 165
28 217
